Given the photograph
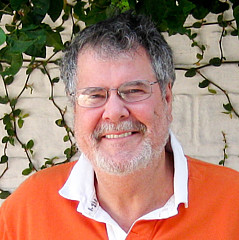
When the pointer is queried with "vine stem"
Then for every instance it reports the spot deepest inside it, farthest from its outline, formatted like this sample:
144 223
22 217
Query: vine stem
221 89
4 171
15 125
25 86
59 109
213 23
207 65
6 168
214 84
224 149
27 154
220 43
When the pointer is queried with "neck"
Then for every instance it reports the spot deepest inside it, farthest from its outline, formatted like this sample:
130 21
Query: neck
126 198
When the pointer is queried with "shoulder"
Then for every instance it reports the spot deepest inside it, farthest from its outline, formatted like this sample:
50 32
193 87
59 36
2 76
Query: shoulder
54 175
61 170
41 185
209 168
212 176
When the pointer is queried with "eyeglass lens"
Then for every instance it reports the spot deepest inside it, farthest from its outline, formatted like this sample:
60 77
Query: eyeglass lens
130 91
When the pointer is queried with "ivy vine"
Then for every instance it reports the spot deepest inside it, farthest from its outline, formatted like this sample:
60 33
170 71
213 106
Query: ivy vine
27 36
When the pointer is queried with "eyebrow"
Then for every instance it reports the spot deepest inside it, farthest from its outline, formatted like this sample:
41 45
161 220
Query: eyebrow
136 82
88 90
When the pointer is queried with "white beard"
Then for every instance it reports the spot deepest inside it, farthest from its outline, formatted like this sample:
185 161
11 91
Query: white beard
143 156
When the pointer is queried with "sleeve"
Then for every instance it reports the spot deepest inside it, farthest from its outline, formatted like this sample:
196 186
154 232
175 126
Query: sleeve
4 234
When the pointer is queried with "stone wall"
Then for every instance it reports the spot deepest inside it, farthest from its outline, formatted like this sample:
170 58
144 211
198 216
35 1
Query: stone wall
198 118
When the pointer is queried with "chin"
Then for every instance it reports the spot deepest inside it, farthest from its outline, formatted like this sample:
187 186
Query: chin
125 163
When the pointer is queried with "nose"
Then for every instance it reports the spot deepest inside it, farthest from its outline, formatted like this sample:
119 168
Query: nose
115 109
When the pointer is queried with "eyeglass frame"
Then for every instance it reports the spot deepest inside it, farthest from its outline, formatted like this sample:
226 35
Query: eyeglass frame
118 93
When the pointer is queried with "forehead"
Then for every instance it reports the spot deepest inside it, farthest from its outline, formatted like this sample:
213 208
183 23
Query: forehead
97 69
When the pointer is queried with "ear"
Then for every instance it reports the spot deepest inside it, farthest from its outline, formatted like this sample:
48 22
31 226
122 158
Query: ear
169 100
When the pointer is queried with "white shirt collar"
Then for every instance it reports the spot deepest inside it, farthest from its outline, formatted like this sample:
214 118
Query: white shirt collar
80 187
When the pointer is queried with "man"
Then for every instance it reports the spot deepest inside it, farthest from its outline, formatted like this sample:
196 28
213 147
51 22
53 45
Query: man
132 180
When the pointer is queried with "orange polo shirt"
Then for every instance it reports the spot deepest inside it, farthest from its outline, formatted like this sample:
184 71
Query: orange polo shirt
36 211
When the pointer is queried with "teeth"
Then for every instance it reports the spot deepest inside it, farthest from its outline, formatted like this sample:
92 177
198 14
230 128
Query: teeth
118 135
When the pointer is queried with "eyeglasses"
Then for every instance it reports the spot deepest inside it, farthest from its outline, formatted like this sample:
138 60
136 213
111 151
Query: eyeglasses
134 91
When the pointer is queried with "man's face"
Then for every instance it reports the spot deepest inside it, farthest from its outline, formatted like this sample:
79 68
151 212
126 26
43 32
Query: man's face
120 137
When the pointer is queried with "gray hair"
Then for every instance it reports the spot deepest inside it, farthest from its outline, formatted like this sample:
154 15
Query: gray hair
120 34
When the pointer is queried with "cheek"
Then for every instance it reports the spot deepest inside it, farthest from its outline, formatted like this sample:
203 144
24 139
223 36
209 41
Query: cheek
85 122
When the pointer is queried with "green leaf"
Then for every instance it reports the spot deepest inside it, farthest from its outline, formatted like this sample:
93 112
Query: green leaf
16 4
29 70
199 56
204 84
4 194
4 159
26 171
194 35
191 72
16 112
8 80
4 100
194 44
55 9
200 12
15 60
25 115
40 8
76 29
66 138
2 36
6 119
55 80
212 91
49 162
19 43
197 24
10 27
59 123
222 162
38 49
228 107
20 122
236 16
13 102
219 7
68 153
30 39
53 39
234 33
30 144
215 61
10 132
79 11
11 140
31 166
5 139
220 18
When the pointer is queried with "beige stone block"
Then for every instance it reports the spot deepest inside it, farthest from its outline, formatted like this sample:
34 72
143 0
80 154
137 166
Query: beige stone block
188 86
41 128
183 121
211 124
13 176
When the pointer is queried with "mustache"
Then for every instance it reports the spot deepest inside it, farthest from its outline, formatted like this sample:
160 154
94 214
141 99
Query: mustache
128 125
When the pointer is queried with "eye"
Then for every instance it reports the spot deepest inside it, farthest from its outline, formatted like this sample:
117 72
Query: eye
93 93
132 91
90 97
96 96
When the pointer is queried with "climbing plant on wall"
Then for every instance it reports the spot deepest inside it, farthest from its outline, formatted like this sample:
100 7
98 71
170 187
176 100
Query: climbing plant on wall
32 36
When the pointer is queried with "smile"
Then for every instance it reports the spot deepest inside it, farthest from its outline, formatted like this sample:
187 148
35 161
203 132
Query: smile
111 136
